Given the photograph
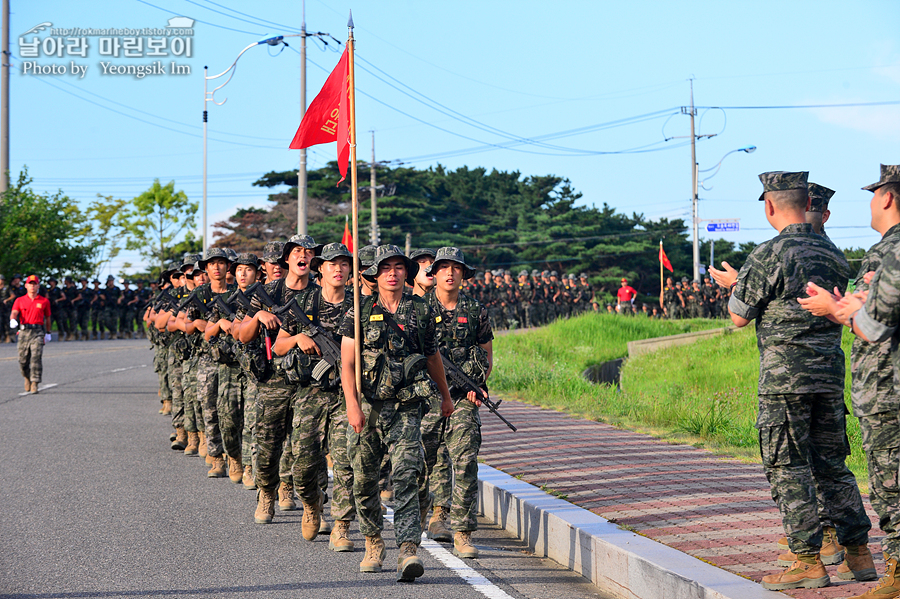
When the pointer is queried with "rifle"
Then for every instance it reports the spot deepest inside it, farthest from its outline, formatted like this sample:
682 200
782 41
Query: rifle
165 301
194 299
240 298
331 351
266 300
462 381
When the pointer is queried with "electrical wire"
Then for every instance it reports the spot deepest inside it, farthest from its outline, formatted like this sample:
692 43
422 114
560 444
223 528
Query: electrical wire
165 10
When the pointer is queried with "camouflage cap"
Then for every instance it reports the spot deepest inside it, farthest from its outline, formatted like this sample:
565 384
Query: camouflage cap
189 261
304 241
523 273
69 278
890 173
583 276
110 278
553 273
545 274
329 253
367 256
384 252
211 254
535 273
17 277
95 282
232 255
52 280
507 272
572 276
170 268
246 259
272 252
819 195
83 280
782 181
451 254
418 253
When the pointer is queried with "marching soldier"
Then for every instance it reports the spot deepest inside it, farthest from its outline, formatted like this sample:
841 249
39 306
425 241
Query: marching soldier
34 331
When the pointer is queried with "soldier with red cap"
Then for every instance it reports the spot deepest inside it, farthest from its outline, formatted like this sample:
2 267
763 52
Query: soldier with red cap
31 314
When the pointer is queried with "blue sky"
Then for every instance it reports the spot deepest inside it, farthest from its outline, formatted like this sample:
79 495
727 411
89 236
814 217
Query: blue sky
520 69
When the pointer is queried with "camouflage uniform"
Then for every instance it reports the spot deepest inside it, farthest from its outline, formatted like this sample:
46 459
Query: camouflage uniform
30 346
110 310
801 421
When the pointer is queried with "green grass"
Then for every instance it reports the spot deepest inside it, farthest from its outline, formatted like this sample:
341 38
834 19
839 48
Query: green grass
702 394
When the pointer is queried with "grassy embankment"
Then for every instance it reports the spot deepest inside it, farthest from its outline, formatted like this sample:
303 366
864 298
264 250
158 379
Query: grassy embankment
703 394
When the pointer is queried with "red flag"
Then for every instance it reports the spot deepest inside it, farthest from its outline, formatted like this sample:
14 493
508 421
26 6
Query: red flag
328 116
347 239
665 259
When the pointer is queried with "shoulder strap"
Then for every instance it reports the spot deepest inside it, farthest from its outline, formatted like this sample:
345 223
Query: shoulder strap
420 309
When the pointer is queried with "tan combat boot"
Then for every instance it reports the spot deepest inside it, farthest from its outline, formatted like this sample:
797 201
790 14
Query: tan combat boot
265 506
462 545
286 501
181 440
409 565
387 495
202 449
34 387
27 384
247 478
312 519
858 564
438 529
235 470
340 537
324 524
167 407
889 585
193 444
801 575
832 552
217 468
375 553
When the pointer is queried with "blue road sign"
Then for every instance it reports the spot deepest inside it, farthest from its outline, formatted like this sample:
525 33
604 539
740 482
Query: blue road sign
725 227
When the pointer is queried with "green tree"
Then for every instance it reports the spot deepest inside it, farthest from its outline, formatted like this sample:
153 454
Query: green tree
156 219
107 230
42 233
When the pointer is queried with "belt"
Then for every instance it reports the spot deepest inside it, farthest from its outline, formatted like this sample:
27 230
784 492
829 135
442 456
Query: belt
32 326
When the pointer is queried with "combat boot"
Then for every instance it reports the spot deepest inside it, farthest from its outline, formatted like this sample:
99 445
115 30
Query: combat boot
340 537
437 527
375 553
180 441
119 335
247 478
858 564
800 575
202 449
324 524
409 565
286 501
167 407
235 470
217 468
27 384
265 506
462 545
889 585
192 444
34 387
832 552
387 495
312 519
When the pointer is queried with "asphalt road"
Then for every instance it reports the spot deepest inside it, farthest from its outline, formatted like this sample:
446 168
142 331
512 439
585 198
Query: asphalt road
95 504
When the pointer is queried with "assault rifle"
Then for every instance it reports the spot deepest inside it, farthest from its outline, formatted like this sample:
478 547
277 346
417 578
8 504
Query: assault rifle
243 298
460 380
331 351
165 302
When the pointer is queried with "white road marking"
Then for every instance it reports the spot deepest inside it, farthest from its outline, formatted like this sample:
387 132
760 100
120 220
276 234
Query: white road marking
40 388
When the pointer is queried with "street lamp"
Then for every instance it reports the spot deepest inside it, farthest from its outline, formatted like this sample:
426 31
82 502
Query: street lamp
209 96
694 199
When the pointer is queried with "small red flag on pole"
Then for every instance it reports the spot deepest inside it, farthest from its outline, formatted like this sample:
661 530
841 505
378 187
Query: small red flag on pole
347 239
328 117
664 260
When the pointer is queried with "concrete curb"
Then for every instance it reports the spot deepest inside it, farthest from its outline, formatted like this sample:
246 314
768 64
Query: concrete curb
644 346
618 561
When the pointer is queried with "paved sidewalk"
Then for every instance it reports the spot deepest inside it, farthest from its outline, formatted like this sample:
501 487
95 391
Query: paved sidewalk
713 508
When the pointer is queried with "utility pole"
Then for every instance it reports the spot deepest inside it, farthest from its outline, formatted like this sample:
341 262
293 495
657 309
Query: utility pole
695 212
301 171
373 234
4 102
408 243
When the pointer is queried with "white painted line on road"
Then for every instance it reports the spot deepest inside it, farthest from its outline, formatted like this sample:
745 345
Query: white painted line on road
40 388
124 369
458 567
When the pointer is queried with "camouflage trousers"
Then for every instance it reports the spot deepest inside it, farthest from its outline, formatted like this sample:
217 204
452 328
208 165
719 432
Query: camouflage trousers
439 478
161 367
82 318
881 441
274 457
393 428
803 444
208 396
231 406
31 349
248 441
62 317
463 442
96 316
126 319
110 319
193 412
173 366
320 425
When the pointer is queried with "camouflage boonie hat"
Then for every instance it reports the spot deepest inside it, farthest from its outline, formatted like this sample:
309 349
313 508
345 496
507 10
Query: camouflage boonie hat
171 268
367 256
535 273
304 241
232 255
571 276
553 273
246 259
212 253
545 274
583 276
782 181
819 195
451 254
421 252
110 278
523 273
382 253
187 264
52 280
890 173
329 253
272 252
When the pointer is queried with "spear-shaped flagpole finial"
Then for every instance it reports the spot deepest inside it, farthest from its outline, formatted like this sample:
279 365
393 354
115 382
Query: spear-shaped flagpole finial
350 21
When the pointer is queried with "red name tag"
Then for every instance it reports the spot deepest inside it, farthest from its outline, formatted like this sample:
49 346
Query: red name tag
402 327
463 319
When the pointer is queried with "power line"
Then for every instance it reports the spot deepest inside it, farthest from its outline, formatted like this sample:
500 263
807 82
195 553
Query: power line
786 107
166 10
